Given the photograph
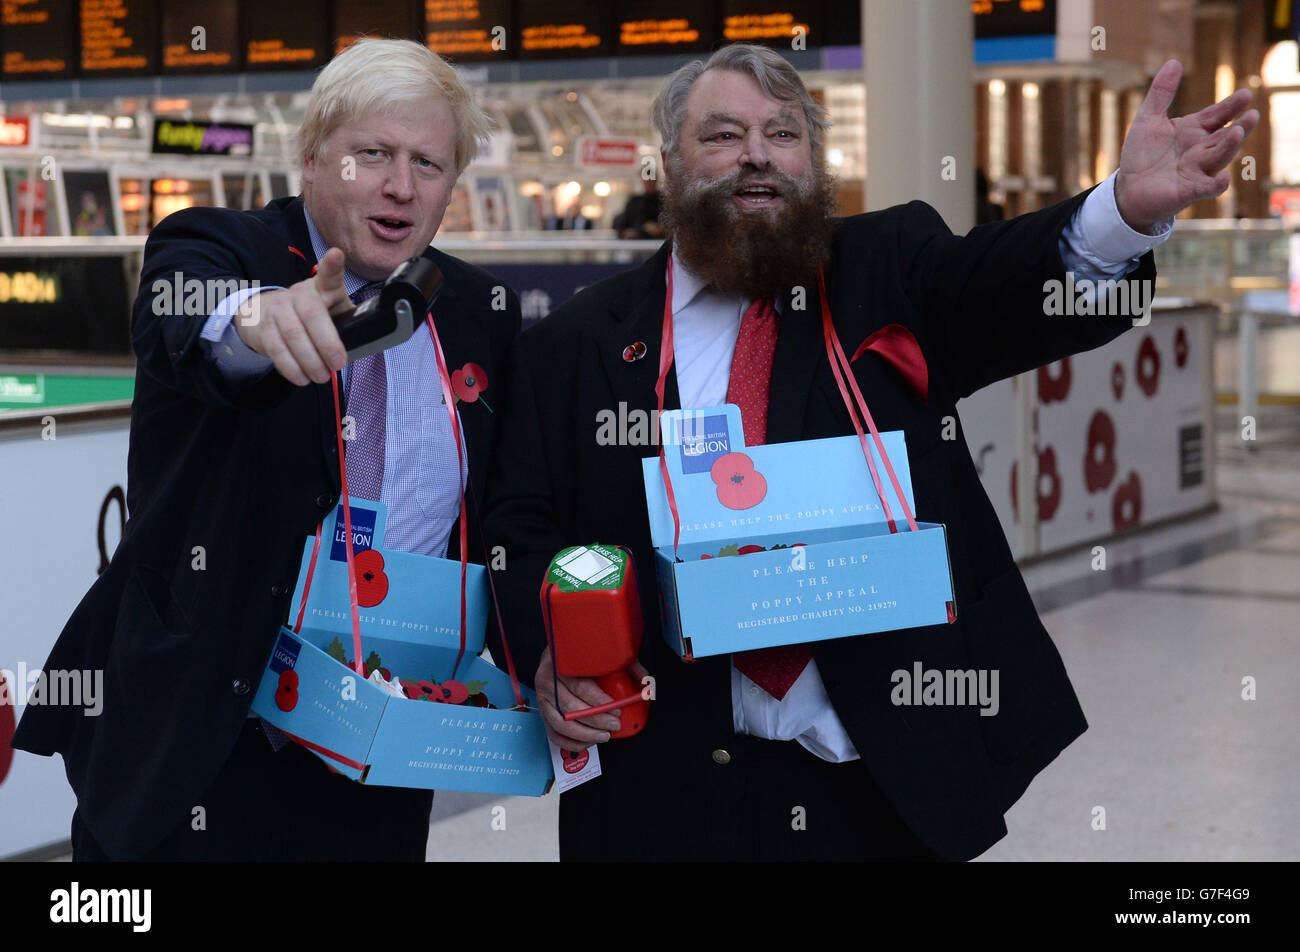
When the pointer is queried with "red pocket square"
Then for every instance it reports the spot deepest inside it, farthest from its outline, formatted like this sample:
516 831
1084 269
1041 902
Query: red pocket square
897 345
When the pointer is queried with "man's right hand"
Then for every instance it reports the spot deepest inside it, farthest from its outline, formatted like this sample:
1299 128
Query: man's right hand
575 694
293 326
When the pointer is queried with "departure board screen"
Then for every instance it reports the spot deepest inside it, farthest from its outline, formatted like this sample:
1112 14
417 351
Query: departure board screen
200 36
389 19
119 37
283 36
561 29
469 29
664 26
793 24
1014 17
39 38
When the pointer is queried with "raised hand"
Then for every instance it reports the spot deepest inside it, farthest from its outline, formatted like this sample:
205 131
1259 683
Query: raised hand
294 327
1167 164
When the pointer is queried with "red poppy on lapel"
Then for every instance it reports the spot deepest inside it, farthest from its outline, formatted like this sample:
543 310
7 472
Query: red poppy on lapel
468 382
897 345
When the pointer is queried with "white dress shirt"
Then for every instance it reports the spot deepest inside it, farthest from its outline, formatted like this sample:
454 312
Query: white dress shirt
1096 244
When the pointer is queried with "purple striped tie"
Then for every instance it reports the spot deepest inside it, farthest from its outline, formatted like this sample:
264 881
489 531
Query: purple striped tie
367 399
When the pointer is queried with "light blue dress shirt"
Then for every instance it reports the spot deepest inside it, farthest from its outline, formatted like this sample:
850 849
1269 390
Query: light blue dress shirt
420 485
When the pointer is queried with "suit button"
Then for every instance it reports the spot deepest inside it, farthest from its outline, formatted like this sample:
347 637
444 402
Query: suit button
279 591
720 756
324 500
240 687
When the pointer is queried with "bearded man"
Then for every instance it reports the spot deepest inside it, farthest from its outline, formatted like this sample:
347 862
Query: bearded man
799 752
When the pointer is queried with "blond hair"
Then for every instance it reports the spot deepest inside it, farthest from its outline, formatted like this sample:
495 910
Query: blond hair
372 75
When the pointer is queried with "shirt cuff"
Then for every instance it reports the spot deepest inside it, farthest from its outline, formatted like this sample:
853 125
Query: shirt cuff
1101 235
221 341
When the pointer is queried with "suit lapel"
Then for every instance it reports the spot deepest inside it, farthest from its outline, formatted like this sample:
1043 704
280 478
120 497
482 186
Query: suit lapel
890 400
799 350
462 344
633 382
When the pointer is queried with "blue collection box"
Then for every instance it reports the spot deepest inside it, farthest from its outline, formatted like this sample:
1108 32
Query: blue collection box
786 543
410 620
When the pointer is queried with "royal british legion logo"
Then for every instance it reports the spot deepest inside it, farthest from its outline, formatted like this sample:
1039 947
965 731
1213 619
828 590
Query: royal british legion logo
704 439
285 655
363 533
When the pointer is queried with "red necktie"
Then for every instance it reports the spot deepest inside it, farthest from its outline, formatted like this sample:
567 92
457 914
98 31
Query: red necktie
772 669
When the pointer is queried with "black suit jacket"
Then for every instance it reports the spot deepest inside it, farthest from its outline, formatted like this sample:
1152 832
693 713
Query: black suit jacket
975 305
245 472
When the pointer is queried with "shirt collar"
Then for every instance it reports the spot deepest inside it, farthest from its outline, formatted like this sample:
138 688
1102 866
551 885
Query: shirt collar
351 283
687 286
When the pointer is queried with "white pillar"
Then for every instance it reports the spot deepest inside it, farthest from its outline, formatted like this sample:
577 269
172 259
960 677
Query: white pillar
918 62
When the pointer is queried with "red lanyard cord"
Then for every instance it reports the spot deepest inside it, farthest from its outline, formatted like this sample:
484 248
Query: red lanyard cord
357 663
666 361
837 360
496 606
833 343
444 378
449 399
306 585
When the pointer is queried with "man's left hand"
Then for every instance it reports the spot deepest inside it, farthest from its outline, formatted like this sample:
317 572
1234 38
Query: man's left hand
1167 164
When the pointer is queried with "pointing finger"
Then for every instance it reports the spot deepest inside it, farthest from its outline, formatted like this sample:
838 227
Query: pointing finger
329 282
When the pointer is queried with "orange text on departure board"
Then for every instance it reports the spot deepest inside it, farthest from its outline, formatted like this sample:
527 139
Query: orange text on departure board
275 51
180 54
27 13
638 32
19 12
103 41
440 11
569 36
762 26
980 7
459 41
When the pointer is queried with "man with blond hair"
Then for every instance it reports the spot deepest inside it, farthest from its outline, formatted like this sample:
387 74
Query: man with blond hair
234 461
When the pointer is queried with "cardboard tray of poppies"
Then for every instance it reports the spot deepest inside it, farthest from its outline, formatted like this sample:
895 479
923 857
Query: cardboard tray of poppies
785 543
415 719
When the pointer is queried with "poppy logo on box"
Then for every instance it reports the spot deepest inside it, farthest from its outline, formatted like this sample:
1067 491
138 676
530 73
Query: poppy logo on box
285 655
704 439
363 533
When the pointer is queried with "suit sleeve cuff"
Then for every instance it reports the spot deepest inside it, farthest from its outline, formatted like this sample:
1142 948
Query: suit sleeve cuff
234 359
1100 234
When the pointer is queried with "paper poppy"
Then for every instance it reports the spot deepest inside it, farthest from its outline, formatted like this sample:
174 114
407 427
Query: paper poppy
286 692
469 382
372 582
451 692
740 486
